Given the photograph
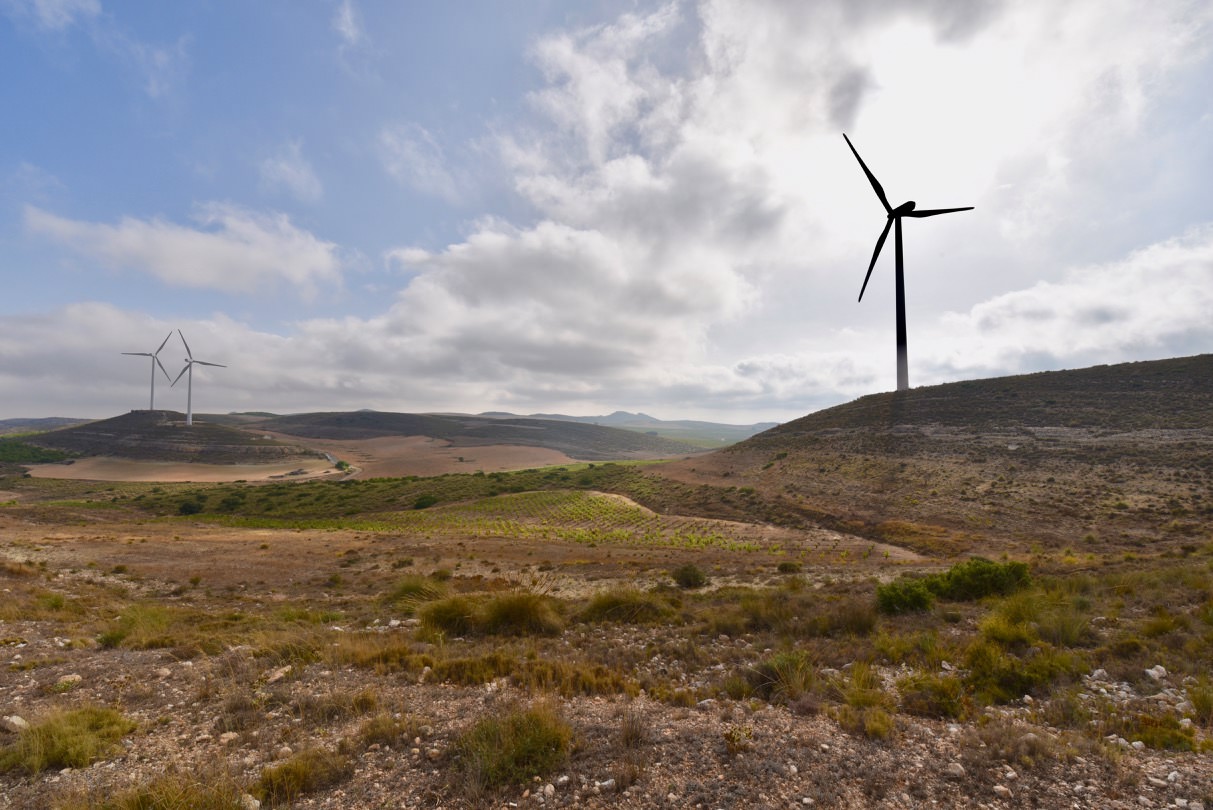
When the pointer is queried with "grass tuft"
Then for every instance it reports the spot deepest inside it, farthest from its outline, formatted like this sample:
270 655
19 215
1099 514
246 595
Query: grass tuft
511 748
68 739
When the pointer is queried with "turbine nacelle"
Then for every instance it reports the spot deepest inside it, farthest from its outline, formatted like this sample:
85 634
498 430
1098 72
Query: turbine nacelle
904 208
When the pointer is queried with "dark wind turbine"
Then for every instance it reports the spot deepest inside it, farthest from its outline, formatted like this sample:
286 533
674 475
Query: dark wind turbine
906 209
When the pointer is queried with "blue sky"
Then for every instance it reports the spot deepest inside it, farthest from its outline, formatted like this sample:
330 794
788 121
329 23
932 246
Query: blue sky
543 206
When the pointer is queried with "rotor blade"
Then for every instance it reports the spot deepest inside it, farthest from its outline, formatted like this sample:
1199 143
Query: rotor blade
188 353
871 177
182 374
140 354
875 253
162 368
930 212
166 337
204 363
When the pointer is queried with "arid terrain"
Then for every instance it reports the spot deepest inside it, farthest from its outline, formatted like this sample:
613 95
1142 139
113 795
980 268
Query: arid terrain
941 598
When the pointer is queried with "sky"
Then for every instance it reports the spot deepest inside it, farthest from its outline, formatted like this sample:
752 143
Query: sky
542 206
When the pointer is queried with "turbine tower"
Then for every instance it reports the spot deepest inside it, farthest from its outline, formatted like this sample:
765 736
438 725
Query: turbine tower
190 362
151 404
906 209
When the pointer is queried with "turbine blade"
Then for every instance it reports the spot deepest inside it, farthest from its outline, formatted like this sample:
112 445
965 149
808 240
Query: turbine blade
930 212
139 354
188 353
871 177
204 363
162 368
875 253
166 337
184 369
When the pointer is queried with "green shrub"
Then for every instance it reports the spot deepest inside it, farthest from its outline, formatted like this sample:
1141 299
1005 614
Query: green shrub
689 576
425 501
190 507
306 772
67 739
788 567
625 605
178 791
978 578
511 748
905 595
1157 731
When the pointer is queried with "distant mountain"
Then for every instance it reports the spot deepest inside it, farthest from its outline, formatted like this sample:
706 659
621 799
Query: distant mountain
700 434
39 425
576 440
163 436
1119 453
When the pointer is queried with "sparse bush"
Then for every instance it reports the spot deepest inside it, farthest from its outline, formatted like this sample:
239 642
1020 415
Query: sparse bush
384 729
995 676
788 567
511 747
1007 742
190 507
455 616
1200 695
520 614
926 695
425 501
179 791
872 722
626 605
412 591
784 676
308 771
689 576
68 739
1157 731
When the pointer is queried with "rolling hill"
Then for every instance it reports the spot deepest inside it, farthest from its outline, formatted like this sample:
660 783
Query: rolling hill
576 440
1104 455
163 436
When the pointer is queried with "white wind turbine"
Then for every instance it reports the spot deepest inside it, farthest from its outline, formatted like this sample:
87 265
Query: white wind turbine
151 405
190 362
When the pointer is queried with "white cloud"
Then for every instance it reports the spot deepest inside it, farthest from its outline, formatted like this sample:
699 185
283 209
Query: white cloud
288 170
347 24
55 15
242 250
413 157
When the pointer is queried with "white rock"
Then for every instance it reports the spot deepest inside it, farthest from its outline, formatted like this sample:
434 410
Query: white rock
549 790
68 681
165 672
283 752
14 723
954 770
228 737
1138 745
247 802
278 674
563 780
1002 791
1157 672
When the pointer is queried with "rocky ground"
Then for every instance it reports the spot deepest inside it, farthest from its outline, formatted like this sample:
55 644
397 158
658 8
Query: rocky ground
230 714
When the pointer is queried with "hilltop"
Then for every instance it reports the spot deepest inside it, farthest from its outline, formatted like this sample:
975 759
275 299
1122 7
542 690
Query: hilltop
1110 454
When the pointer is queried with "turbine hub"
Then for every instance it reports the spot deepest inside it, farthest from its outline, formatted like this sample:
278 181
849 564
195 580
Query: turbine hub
904 208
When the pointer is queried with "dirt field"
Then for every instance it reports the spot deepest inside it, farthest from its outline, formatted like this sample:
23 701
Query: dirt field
370 458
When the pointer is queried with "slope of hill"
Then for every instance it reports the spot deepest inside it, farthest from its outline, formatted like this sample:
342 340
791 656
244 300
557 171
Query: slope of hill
701 434
1111 454
581 441
38 425
163 436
